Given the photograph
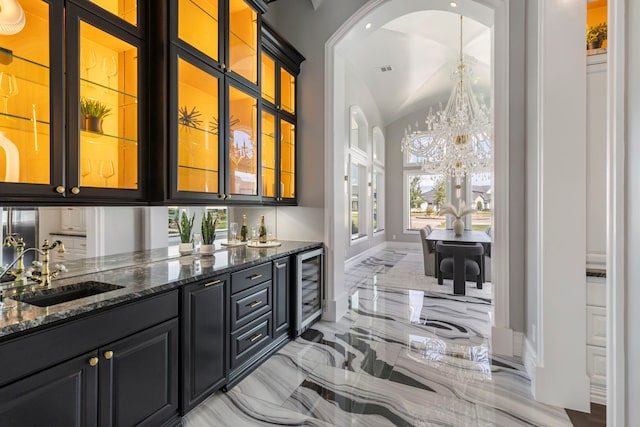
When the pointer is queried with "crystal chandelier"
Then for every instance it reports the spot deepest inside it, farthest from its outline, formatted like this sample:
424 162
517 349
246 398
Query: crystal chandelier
457 140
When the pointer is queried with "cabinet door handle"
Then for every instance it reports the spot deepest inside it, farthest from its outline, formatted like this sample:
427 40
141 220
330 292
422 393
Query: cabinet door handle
93 361
254 304
255 276
60 189
108 354
276 264
75 190
255 337
215 282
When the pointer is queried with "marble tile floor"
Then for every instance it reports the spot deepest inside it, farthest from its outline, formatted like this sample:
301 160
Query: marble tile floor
400 357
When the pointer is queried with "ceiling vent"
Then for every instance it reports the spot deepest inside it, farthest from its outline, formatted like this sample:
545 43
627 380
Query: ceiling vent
384 68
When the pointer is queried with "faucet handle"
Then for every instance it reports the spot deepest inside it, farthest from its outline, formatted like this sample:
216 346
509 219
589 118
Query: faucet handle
61 268
60 247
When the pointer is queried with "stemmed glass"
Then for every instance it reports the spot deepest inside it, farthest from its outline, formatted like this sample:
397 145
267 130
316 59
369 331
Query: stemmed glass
85 168
109 68
8 87
233 227
106 170
87 60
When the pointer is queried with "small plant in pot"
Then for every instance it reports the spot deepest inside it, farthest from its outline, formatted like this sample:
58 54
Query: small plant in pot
208 228
92 113
596 34
185 227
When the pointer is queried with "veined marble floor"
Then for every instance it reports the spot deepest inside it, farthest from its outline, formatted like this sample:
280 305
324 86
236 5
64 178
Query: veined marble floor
400 357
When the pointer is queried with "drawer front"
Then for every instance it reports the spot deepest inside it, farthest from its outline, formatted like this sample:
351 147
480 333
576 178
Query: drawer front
250 339
250 304
245 279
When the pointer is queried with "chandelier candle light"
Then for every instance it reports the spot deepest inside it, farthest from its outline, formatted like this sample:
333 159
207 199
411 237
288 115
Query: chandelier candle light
457 139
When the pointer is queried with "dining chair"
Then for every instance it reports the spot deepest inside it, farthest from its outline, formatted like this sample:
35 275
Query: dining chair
428 252
461 262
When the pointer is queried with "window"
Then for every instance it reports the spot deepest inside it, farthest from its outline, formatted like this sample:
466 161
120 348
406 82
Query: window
358 201
377 199
424 194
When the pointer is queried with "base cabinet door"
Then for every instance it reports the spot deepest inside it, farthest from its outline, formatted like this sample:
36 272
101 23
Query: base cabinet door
203 340
281 313
139 378
64 395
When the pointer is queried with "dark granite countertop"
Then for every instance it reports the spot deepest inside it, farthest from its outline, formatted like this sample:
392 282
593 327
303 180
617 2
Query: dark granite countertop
141 273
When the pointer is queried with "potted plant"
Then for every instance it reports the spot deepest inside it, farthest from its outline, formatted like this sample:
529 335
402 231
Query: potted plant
208 228
92 112
462 210
596 34
185 227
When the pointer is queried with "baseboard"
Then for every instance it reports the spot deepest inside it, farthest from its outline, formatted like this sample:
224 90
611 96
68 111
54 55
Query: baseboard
518 344
598 394
502 341
363 255
530 361
336 308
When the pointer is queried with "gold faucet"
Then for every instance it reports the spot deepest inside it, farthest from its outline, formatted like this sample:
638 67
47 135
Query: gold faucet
18 272
45 276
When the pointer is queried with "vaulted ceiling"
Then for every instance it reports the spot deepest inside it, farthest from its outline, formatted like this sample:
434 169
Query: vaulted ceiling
421 49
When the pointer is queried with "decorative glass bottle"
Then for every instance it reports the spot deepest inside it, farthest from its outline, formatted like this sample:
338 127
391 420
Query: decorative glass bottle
243 230
263 231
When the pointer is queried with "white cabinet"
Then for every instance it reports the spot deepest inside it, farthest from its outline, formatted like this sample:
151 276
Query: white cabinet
75 247
72 219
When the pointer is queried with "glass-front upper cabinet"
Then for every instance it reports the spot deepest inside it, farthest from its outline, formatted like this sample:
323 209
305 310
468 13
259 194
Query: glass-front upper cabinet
287 159
198 129
243 40
104 132
127 10
242 143
268 156
198 25
27 154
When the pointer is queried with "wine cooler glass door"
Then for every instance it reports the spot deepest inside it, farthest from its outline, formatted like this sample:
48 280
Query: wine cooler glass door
309 287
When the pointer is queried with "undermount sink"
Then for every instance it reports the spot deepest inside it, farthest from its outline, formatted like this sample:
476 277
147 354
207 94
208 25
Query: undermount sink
47 297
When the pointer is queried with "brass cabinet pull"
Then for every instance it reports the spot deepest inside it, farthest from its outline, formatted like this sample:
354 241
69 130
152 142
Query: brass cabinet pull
93 361
254 304
108 354
277 264
60 189
228 196
255 337
75 190
223 66
255 276
215 282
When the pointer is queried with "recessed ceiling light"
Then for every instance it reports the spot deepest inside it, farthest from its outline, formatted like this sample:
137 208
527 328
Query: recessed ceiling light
453 4
368 25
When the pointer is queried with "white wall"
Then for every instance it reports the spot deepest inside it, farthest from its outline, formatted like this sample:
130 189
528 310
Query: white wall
632 282
556 204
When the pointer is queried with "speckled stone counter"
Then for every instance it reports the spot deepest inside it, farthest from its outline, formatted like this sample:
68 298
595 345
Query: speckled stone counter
141 273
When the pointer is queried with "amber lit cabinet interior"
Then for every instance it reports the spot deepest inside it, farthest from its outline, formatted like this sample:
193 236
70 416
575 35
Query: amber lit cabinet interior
88 63
216 104
280 64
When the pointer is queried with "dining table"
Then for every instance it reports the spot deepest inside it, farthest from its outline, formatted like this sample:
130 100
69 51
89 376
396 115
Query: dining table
467 237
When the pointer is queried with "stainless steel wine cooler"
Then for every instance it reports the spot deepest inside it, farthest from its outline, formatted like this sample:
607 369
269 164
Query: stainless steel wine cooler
310 280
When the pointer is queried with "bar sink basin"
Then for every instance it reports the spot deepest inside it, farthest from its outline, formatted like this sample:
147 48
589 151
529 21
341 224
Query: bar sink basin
58 295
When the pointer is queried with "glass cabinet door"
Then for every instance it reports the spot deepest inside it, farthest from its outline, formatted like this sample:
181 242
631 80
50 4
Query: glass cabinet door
25 119
268 82
126 10
108 110
198 130
287 91
243 40
287 159
242 142
198 25
268 156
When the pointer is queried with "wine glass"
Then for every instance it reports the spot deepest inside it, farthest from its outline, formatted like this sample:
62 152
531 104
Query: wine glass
109 68
85 168
8 87
87 60
233 227
106 170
